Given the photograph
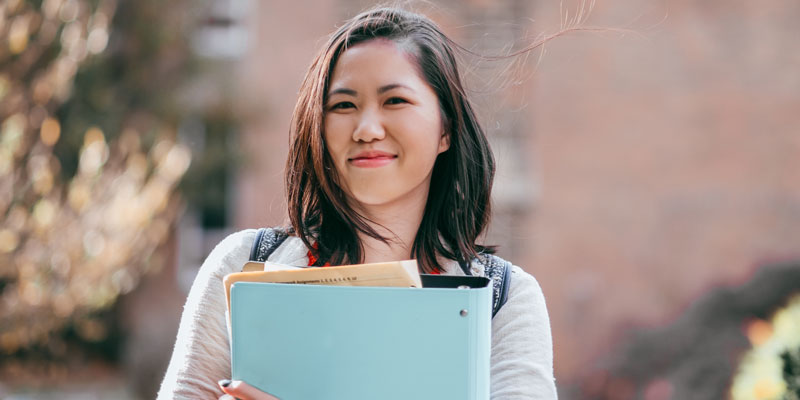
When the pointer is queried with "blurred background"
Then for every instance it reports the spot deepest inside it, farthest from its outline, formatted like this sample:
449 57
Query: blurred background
648 176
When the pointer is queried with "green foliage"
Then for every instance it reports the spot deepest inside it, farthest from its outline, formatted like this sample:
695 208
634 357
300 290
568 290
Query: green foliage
791 373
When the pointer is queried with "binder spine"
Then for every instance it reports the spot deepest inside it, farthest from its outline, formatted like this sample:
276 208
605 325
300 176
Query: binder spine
473 358
482 332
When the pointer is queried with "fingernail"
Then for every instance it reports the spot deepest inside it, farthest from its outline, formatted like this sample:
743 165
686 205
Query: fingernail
224 382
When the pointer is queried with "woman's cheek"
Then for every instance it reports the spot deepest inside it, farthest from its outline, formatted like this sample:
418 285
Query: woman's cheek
334 137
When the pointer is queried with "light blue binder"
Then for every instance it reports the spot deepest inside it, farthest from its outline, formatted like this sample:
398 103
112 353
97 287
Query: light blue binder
339 342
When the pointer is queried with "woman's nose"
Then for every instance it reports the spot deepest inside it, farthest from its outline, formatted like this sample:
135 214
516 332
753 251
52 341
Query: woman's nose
370 127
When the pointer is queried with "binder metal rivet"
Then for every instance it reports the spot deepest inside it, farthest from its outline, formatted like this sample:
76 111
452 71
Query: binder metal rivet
463 287
464 313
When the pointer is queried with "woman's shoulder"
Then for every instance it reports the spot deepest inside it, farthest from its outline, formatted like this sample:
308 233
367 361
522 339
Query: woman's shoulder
236 241
230 254
490 263
520 282
522 345
236 249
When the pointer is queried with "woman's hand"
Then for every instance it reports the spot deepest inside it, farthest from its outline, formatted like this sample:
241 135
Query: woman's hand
242 391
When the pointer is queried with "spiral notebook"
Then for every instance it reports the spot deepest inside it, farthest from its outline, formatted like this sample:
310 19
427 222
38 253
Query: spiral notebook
342 342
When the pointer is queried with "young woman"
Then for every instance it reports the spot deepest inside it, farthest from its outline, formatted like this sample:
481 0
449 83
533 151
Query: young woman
387 162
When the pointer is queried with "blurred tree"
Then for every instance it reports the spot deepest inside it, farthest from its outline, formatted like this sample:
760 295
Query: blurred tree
725 345
770 370
791 373
89 162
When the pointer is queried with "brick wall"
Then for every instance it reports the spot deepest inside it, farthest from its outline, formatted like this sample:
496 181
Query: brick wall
668 163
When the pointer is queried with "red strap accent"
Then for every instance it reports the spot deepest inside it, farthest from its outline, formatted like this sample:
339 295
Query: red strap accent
313 260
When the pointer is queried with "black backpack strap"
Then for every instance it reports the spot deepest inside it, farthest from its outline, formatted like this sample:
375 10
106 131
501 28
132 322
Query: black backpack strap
267 240
499 271
495 268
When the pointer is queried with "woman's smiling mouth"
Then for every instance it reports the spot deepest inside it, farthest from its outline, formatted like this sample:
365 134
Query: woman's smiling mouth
371 159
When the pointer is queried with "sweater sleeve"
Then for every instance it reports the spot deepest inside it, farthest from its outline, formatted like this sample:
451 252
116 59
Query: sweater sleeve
522 346
201 356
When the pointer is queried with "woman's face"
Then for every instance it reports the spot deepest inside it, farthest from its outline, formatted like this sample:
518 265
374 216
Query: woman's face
382 125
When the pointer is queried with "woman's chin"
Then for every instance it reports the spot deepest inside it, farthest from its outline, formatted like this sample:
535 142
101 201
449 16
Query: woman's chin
388 192
372 199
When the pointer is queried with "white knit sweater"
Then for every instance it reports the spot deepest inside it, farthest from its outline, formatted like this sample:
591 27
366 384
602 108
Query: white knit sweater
522 348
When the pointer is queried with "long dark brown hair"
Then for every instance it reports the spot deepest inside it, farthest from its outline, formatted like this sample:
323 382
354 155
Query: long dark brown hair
458 205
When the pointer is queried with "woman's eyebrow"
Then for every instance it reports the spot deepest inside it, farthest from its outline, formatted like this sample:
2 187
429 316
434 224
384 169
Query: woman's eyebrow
350 92
386 88
381 90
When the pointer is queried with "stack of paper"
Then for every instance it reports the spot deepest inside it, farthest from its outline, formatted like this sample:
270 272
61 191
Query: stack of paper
388 274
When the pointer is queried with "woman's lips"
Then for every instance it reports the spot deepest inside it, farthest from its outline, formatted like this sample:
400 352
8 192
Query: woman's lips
372 159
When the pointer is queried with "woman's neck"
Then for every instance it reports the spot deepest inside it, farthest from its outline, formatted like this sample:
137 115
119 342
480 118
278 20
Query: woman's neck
398 222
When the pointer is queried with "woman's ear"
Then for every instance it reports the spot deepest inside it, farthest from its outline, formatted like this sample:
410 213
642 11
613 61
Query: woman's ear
444 142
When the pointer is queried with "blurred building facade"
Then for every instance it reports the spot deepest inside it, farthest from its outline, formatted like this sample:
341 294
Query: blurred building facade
668 164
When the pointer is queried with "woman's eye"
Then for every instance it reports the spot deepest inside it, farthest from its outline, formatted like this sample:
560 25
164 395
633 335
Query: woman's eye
396 100
342 105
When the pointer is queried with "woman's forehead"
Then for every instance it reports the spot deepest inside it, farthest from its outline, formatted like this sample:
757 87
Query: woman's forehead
374 60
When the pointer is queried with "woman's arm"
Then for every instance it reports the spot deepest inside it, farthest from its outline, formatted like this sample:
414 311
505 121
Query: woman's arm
202 353
522 346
